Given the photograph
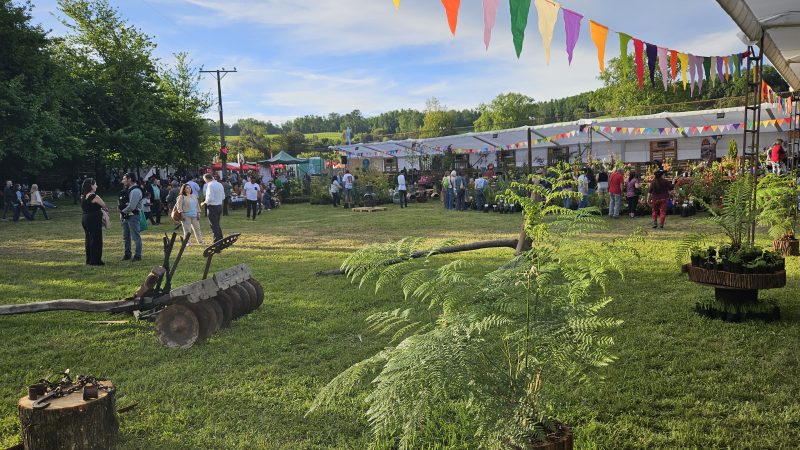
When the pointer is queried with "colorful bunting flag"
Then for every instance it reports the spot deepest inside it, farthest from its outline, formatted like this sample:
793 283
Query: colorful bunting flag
662 65
692 73
638 47
548 14
451 9
599 35
489 17
519 20
652 51
684 65
623 52
726 61
572 27
719 61
698 67
397 4
707 67
673 64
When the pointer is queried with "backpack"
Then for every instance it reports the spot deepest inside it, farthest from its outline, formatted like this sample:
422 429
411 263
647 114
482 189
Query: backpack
446 183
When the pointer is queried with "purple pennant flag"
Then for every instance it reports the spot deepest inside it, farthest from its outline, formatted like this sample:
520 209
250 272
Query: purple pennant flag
572 25
719 69
663 62
698 60
736 126
652 52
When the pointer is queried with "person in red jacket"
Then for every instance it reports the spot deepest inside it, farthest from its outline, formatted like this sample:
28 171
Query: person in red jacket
615 185
658 197
777 156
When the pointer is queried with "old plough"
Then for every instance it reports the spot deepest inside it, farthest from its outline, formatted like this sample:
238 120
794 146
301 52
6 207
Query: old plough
183 315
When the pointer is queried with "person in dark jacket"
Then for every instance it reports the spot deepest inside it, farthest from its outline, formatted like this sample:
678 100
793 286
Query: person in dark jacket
92 222
9 198
658 197
130 203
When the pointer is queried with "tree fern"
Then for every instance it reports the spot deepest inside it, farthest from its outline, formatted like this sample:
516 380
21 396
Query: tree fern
777 204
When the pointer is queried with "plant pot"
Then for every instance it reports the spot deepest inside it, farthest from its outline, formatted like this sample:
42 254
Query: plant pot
561 442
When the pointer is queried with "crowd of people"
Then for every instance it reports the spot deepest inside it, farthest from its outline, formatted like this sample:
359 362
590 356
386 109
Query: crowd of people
23 200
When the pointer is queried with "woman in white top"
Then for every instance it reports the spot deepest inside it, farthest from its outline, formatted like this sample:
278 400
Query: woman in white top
402 189
334 190
190 210
36 202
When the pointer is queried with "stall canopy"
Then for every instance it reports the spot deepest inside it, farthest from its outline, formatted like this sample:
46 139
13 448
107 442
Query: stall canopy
723 121
283 158
235 166
778 22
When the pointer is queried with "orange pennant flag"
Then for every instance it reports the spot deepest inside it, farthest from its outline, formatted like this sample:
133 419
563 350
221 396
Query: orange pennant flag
599 34
451 8
397 4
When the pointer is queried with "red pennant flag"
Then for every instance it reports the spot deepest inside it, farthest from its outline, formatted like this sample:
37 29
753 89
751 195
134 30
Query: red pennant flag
693 130
638 46
451 8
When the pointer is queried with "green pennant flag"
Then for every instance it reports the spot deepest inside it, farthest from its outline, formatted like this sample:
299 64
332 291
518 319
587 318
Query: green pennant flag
623 52
519 20
707 67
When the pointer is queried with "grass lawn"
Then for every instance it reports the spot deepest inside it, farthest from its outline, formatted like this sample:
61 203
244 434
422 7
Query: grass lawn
680 382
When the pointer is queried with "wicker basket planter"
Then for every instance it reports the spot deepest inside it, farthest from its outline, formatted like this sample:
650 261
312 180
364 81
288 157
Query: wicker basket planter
720 278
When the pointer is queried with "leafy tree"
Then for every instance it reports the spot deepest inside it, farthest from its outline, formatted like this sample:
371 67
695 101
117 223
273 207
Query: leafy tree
188 140
292 142
39 117
111 64
253 138
506 111
438 121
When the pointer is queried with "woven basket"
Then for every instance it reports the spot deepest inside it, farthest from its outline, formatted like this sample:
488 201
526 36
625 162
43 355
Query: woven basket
737 280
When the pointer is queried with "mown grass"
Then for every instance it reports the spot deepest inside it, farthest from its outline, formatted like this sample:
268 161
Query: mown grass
680 382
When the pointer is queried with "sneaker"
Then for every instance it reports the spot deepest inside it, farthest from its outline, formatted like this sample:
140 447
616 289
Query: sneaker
126 257
655 225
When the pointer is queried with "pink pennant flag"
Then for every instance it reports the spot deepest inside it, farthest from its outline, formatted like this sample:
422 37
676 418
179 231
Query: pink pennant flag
692 65
663 65
572 26
489 17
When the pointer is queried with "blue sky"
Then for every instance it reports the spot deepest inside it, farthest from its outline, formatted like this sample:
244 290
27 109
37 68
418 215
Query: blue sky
298 57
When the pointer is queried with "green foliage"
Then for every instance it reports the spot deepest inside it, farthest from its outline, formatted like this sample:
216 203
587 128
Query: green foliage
734 218
506 111
39 113
438 120
777 204
487 342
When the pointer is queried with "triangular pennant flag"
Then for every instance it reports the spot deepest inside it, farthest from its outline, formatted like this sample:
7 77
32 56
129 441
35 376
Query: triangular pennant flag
548 14
599 34
638 47
663 66
623 52
652 52
713 63
660 131
397 4
519 20
489 17
772 122
451 9
706 128
692 72
714 128
673 64
779 122
707 67
572 26
680 130
726 64
736 126
698 67
684 66
719 61
737 62
693 130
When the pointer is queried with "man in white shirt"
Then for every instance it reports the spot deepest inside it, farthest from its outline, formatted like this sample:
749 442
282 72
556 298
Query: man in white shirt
583 188
251 190
214 196
402 189
348 181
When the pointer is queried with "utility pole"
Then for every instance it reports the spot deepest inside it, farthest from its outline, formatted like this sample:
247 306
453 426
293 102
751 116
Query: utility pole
223 148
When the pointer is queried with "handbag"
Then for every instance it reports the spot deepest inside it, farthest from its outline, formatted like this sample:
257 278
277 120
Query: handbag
176 215
106 220
142 221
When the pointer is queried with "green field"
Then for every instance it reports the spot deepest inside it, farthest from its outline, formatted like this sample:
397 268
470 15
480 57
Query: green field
680 382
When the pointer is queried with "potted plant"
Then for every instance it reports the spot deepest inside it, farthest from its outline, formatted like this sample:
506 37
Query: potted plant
777 204
489 343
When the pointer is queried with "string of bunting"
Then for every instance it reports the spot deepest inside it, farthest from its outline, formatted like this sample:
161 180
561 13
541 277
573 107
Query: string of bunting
675 131
694 69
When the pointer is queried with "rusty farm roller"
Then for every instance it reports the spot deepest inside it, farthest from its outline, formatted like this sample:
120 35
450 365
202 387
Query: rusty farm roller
185 315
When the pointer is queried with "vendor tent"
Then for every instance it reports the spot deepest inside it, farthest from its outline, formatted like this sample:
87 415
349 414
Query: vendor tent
283 158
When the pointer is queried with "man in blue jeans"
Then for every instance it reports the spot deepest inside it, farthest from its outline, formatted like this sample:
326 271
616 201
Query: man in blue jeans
129 206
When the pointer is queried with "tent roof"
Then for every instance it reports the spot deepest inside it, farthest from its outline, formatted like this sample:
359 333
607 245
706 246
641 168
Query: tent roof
778 21
517 137
284 158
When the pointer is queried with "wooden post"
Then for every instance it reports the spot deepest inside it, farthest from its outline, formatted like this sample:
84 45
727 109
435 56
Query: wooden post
70 422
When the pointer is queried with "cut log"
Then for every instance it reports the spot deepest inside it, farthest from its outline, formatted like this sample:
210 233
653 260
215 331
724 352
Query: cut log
500 243
70 422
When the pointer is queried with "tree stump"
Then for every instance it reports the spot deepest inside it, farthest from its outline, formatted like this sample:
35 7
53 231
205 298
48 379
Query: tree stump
70 422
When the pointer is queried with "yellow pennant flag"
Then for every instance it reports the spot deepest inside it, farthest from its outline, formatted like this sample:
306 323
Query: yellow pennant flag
684 58
599 34
714 128
548 14
397 4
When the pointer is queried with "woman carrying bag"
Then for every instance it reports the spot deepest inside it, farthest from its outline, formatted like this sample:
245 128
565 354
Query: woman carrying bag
188 213
92 221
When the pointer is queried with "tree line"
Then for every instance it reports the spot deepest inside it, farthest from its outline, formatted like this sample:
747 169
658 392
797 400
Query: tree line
94 98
